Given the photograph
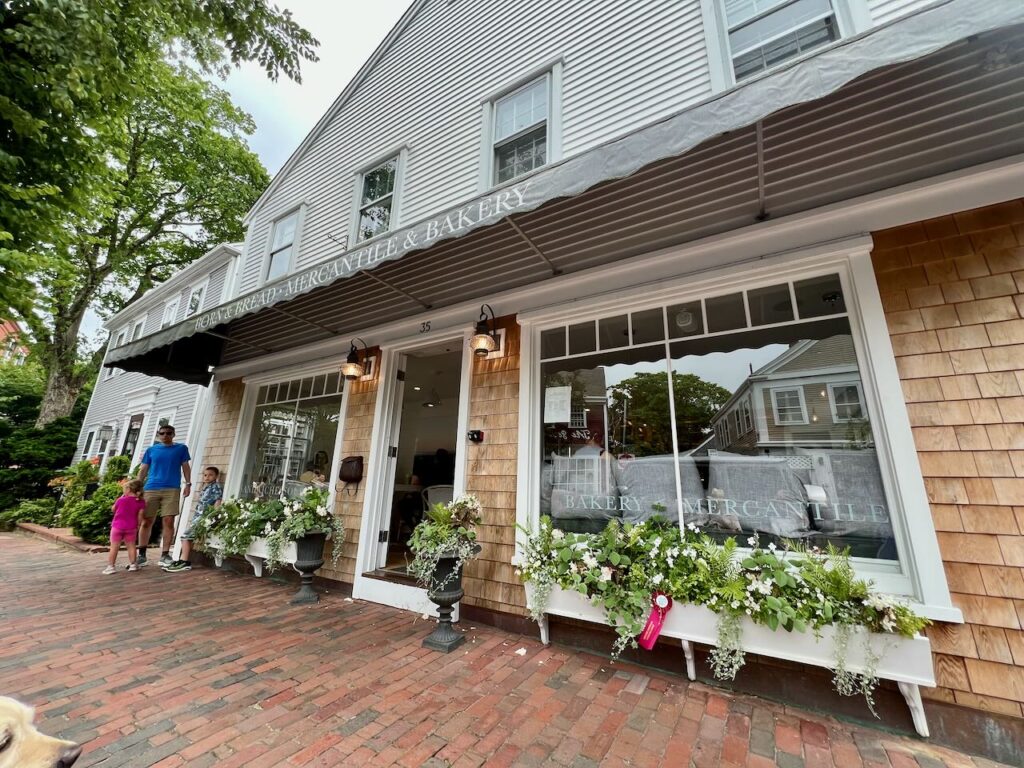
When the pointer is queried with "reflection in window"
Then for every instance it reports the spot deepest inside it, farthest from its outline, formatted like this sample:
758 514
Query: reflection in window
291 442
768 432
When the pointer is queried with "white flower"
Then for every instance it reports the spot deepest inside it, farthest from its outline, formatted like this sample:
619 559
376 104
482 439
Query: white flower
606 574
590 561
558 534
772 547
735 604
658 578
752 541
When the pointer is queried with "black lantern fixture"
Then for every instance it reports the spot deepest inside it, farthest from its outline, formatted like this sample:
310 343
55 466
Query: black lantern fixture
352 368
485 340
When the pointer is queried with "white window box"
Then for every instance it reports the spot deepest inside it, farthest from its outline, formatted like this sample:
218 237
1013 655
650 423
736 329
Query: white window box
907 661
255 554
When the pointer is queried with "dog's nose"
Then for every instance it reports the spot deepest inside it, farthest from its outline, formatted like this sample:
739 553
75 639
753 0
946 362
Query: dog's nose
68 757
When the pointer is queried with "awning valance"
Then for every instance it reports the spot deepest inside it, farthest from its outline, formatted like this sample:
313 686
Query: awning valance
726 142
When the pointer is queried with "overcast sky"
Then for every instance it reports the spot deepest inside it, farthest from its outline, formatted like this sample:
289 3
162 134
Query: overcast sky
286 111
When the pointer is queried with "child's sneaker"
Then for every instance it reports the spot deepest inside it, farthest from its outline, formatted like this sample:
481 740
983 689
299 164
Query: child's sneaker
133 567
165 560
179 565
109 570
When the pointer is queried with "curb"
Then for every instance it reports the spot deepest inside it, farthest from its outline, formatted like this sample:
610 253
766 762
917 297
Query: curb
60 536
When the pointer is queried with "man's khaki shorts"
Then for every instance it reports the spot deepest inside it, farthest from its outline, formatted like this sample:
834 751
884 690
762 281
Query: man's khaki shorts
165 503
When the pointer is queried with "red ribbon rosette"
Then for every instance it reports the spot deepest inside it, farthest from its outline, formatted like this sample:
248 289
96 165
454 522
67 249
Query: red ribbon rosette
660 605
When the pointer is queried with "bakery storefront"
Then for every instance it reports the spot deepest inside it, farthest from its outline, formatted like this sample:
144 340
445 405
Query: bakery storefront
693 323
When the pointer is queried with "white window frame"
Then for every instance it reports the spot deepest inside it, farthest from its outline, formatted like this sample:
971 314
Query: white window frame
401 154
299 211
87 447
775 406
116 340
201 288
170 315
551 71
138 328
239 451
852 18
748 414
832 399
919 572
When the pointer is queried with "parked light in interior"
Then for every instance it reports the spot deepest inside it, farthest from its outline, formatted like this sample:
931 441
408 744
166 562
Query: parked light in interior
485 340
353 368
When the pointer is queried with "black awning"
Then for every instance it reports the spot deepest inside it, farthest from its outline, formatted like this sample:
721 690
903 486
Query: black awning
188 359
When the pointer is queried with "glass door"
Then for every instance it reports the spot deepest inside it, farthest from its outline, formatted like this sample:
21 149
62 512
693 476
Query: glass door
423 448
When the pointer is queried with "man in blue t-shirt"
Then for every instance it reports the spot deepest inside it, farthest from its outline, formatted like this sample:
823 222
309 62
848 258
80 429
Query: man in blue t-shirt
163 465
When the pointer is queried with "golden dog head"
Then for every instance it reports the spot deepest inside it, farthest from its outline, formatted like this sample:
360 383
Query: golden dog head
22 746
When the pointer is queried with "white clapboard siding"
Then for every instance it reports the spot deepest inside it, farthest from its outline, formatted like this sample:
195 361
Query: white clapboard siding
887 10
626 63
116 399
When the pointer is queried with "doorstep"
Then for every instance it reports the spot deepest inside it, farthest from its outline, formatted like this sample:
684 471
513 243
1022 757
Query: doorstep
61 536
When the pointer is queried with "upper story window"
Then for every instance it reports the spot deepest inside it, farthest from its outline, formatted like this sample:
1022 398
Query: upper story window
282 245
377 199
520 133
788 406
170 312
116 341
138 328
750 36
195 300
846 401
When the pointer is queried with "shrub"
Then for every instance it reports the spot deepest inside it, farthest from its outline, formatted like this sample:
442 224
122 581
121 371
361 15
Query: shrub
81 476
39 511
117 469
29 458
90 518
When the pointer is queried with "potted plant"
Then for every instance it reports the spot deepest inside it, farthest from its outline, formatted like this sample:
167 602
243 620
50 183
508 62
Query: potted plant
274 532
442 544
308 522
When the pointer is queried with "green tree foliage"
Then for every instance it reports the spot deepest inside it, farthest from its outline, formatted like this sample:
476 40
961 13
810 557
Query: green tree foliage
179 178
644 399
69 69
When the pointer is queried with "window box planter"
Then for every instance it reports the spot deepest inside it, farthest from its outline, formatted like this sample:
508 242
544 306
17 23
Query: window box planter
254 555
907 661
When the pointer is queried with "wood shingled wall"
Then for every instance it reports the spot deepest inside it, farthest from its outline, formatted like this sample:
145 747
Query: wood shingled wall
362 399
953 293
220 441
491 476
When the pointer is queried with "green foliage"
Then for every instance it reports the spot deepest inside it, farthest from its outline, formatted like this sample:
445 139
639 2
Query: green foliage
30 457
116 469
232 527
447 530
643 398
77 480
21 390
39 511
793 589
71 68
90 518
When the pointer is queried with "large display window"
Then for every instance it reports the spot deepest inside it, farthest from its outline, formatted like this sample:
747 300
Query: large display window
740 412
292 436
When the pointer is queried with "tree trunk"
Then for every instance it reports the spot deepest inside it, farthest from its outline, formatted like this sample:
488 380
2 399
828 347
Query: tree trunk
62 388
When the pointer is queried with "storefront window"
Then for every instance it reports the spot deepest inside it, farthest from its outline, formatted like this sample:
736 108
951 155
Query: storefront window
291 441
742 413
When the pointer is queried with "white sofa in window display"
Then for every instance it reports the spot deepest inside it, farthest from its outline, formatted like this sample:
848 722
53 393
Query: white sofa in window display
646 483
579 492
757 494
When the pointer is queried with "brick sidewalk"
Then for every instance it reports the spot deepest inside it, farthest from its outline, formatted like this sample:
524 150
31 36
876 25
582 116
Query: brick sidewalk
213 669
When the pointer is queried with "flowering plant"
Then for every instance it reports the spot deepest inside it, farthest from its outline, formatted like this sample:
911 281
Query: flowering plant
445 531
299 517
789 588
237 522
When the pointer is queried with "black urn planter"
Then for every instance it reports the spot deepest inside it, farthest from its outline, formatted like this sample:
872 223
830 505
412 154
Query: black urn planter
448 572
309 556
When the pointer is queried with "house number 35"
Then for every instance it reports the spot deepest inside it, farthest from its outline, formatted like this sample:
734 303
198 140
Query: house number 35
425 327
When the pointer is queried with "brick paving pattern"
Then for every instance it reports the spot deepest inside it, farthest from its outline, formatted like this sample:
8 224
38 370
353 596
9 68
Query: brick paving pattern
214 669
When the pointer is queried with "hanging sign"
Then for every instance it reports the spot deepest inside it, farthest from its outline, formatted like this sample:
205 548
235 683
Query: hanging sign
557 405
660 605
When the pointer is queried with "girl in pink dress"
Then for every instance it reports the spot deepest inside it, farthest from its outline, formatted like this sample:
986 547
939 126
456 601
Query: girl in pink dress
125 525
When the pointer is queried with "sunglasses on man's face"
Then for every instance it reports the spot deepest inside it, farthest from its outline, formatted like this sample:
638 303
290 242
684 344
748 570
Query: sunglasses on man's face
165 433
